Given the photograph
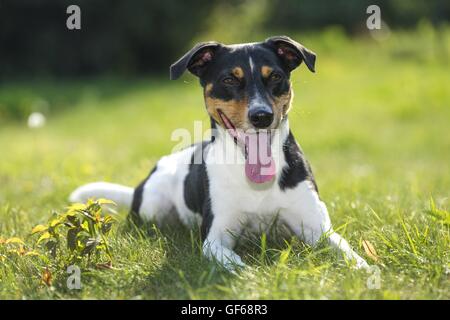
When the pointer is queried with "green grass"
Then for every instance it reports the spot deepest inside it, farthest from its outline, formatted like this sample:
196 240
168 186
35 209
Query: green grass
373 121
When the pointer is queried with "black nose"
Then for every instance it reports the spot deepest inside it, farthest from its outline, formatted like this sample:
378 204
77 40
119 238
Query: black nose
260 118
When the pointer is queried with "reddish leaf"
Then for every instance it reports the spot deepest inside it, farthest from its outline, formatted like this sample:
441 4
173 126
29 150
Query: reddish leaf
47 277
370 250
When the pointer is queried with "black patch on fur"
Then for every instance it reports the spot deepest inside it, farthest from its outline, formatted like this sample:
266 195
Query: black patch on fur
196 189
213 124
137 199
213 129
297 168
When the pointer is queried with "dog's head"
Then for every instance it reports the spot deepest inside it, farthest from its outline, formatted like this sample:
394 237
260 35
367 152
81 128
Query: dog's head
246 86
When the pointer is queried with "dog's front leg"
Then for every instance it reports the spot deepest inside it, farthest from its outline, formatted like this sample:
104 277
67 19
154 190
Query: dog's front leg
220 240
308 218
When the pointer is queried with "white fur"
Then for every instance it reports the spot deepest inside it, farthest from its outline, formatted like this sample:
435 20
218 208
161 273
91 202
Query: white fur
121 195
235 201
252 65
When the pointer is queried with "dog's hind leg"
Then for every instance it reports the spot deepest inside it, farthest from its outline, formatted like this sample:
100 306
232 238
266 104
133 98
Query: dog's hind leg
150 203
155 207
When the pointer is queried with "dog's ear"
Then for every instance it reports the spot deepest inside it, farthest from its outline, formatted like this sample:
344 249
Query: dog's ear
292 53
195 60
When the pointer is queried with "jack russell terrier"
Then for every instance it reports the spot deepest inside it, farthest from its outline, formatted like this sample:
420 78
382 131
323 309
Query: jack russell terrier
248 95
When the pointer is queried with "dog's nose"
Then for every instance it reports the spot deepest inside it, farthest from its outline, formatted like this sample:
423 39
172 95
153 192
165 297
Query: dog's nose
260 118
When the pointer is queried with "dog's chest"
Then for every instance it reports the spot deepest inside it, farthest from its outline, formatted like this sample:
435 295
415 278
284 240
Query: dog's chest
229 185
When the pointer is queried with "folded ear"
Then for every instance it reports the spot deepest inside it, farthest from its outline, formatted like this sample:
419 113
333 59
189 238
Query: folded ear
292 52
195 60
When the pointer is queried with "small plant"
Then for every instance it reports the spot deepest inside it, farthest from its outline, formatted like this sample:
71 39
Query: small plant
14 247
82 228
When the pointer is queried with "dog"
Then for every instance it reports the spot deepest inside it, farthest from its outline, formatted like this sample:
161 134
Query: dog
248 95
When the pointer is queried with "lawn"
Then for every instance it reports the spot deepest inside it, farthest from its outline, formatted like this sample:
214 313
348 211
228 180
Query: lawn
373 121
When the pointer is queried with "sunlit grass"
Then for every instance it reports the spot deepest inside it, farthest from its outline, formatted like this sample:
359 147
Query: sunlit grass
373 121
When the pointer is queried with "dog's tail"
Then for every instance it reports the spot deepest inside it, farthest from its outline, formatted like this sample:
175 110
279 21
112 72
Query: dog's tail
121 195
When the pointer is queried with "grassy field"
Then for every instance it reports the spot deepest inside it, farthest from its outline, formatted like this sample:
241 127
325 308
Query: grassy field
373 121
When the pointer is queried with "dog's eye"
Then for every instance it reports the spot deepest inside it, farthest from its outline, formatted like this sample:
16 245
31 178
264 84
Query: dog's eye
230 81
275 77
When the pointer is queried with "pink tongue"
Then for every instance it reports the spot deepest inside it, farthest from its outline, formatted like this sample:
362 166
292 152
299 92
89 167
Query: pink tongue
259 165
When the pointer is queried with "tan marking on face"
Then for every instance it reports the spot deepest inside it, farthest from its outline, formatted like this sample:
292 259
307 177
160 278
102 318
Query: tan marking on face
238 72
282 104
234 110
266 71
208 88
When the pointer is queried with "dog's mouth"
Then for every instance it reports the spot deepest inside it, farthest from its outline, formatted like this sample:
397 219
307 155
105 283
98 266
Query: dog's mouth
259 163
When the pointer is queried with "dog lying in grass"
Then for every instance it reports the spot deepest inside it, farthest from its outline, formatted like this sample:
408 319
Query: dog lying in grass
248 96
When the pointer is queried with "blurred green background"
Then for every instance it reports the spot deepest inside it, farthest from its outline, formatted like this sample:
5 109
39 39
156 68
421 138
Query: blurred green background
141 38
373 120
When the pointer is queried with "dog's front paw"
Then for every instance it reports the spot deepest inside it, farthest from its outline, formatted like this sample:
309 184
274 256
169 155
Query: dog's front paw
231 261
234 264
225 257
